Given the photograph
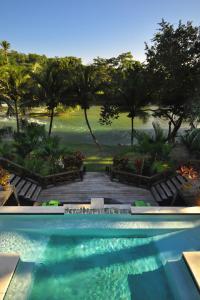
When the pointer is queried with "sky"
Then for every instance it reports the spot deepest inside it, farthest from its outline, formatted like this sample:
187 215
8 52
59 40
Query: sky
89 28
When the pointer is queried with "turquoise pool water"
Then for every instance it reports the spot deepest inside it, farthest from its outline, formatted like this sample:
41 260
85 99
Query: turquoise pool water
100 257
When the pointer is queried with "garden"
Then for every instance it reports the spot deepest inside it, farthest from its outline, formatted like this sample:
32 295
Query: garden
34 150
163 90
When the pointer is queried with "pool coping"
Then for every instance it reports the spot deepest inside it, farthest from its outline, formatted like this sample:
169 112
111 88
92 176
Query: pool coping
60 210
31 210
165 210
8 264
192 260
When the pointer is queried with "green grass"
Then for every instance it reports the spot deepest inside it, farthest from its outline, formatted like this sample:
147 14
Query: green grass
95 159
71 127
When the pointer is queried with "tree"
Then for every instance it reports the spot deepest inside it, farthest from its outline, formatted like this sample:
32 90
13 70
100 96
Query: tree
13 89
49 88
86 87
173 65
127 91
5 46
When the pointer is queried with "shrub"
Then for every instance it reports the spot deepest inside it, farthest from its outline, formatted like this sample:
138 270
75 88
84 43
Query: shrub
31 136
4 177
72 160
191 139
120 163
155 145
160 166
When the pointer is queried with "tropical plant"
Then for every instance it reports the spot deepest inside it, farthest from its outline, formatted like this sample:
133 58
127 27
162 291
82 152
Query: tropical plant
86 88
72 160
191 139
155 145
4 177
49 87
30 137
160 166
7 150
5 46
13 88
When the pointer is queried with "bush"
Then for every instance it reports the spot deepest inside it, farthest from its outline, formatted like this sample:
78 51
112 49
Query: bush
191 139
154 145
121 163
37 152
160 166
31 136
72 160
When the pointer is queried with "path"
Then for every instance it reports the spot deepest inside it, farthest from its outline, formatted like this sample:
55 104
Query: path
96 184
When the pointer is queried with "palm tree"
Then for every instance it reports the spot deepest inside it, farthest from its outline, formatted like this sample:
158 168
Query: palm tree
87 83
132 90
13 89
5 46
50 88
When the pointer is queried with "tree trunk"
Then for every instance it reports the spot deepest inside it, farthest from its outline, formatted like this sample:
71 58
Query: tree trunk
10 111
132 131
17 116
174 131
51 121
90 129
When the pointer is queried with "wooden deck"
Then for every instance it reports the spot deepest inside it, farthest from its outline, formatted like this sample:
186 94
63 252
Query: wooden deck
96 184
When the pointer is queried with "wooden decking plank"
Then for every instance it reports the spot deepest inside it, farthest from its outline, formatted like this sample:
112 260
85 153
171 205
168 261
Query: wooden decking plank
25 188
181 179
96 184
20 185
166 189
36 193
156 195
176 183
30 191
16 180
161 192
171 186
12 176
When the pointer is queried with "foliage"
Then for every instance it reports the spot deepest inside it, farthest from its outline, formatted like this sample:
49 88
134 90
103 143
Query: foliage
191 139
4 177
38 152
149 156
29 138
7 150
72 160
86 88
160 166
126 91
155 145
173 67
120 163
13 89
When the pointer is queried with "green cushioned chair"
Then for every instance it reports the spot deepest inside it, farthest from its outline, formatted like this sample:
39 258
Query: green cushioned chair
51 203
141 203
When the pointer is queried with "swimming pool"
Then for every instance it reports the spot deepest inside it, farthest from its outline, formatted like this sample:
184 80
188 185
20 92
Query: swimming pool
100 257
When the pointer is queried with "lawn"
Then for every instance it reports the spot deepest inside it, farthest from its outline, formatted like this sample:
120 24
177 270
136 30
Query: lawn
95 159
